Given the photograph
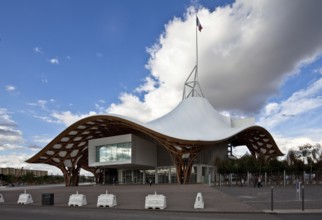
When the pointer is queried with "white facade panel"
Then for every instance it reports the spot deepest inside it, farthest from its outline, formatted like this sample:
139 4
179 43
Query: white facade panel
144 152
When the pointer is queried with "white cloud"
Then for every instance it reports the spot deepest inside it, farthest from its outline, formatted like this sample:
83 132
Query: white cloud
13 160
10 136
69 118
18 160
99 107
246 50
148 86
240 151
47 119
34 147
10 88
54 61
7 146
44 80
41 103
298 103
319 70
286 143
5 118
132 107
41 139
38 50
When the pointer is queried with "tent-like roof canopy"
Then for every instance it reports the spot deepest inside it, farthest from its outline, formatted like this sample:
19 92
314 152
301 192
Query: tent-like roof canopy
195 119
193 125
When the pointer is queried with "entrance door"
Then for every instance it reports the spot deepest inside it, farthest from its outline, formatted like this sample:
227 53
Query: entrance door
111 176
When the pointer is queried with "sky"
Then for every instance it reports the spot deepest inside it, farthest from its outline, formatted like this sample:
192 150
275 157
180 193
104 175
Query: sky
61 61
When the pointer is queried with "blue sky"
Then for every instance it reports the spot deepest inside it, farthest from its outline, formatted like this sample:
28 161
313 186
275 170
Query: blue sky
64 60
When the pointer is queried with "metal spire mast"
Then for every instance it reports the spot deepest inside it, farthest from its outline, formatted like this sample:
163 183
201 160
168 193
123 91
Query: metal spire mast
191 85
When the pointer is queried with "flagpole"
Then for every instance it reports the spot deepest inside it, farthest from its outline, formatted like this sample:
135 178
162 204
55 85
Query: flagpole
192 84
196 70
196 75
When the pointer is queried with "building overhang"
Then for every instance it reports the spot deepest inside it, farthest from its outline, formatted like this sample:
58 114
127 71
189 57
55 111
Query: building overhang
193 123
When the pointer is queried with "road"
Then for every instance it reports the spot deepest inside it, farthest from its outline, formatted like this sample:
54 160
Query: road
30 212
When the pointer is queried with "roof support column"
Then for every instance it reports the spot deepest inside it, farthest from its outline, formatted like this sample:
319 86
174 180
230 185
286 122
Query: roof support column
96 171
183 163
71 175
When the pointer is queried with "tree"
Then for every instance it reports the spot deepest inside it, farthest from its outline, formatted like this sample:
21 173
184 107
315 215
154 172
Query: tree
8 179
309 153
28 178
305 158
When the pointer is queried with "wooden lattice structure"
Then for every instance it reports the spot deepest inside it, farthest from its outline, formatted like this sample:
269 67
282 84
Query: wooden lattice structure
69 150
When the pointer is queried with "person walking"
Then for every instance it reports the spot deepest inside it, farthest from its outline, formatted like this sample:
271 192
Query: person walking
259 182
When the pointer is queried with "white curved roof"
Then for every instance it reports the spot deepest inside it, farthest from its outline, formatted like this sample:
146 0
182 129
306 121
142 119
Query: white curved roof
195 119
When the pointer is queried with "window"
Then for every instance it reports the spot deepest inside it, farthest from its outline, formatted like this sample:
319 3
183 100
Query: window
203 171
114 152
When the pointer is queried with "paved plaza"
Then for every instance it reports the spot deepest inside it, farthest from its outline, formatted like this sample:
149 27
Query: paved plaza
180 199
286 199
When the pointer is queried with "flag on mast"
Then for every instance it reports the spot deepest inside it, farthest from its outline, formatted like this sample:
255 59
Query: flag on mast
198 24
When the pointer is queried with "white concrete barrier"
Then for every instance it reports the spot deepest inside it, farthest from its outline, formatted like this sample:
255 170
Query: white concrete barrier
155 201
1 198
106 200
77 200
25 198
199 203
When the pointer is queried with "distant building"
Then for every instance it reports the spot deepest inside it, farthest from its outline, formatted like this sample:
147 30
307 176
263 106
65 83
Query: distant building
21 172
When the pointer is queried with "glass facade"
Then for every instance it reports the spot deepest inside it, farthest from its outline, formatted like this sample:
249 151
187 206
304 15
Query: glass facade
114 152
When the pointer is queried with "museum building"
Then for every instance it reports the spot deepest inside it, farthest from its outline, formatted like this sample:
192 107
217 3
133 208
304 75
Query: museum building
179 147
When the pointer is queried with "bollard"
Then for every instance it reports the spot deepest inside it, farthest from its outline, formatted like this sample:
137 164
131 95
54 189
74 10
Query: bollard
302 197
1 198
272 198
298 189
199 203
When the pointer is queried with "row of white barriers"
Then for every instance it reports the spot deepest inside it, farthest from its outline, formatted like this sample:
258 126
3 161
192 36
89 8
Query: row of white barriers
152 201
103 200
